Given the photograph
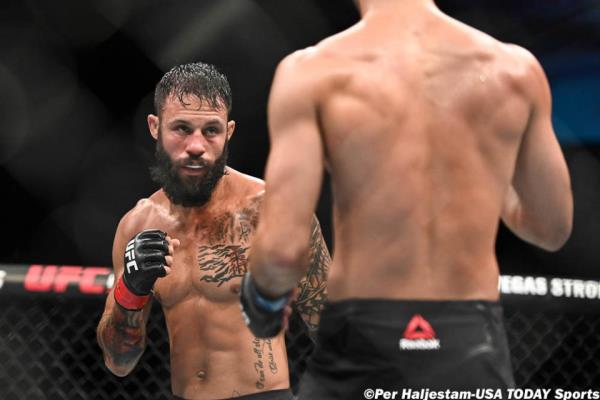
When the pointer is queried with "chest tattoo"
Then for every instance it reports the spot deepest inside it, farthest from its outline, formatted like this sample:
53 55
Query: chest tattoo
222 262
225 254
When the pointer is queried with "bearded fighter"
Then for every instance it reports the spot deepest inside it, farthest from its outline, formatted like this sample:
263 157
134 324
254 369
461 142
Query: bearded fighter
187 247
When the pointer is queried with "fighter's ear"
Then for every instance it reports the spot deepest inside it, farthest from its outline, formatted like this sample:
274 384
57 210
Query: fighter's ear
230 129
153 125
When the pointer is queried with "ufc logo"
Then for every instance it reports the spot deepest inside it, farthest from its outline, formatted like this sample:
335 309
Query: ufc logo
130 257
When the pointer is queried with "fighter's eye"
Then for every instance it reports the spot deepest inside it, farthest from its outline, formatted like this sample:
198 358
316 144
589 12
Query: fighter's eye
183 129
212 131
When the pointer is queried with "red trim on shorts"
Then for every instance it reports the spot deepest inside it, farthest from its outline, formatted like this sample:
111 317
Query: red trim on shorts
126 299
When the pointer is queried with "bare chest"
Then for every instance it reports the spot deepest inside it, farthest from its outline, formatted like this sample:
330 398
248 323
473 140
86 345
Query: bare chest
211 260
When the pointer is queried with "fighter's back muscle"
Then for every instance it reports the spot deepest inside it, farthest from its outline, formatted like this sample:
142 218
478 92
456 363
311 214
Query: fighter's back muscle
421 137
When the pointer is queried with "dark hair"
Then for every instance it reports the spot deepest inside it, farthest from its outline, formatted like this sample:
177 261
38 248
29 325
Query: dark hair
199 79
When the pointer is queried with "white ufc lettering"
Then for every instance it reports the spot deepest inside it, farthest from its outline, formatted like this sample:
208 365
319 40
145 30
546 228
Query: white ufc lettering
130 256
129 253
131 264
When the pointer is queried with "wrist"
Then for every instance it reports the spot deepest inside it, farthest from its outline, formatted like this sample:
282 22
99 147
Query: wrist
127 299
264 301
270 304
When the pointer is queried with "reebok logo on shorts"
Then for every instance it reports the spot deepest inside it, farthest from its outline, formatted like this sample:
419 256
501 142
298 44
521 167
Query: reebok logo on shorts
419 335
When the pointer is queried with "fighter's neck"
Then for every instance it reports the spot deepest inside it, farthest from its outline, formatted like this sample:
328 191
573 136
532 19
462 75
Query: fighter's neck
372 6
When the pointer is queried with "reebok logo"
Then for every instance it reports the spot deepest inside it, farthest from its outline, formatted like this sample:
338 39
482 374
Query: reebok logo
419 335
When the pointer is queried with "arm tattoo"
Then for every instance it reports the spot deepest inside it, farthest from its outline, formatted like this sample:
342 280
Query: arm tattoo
313 288
123 336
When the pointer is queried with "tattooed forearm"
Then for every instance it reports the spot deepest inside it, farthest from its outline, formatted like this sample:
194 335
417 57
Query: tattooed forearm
313 287
122 336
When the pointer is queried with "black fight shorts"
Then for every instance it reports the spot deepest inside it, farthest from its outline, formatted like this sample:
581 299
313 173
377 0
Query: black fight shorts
394 345
283 394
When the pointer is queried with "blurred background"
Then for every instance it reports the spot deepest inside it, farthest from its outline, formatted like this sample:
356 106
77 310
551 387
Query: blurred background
77 79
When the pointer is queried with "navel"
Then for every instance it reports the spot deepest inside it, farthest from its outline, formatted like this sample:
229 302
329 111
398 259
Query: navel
201 375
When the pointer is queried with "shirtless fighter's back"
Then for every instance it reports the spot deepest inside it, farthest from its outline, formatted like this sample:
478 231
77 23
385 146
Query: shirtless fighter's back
210 212
432 132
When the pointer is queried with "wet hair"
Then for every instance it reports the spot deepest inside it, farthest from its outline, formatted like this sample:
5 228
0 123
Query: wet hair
198 79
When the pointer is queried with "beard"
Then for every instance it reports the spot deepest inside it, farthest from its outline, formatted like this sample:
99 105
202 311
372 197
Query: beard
188 191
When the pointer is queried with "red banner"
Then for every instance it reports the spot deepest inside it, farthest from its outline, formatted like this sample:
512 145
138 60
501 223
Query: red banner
55 279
